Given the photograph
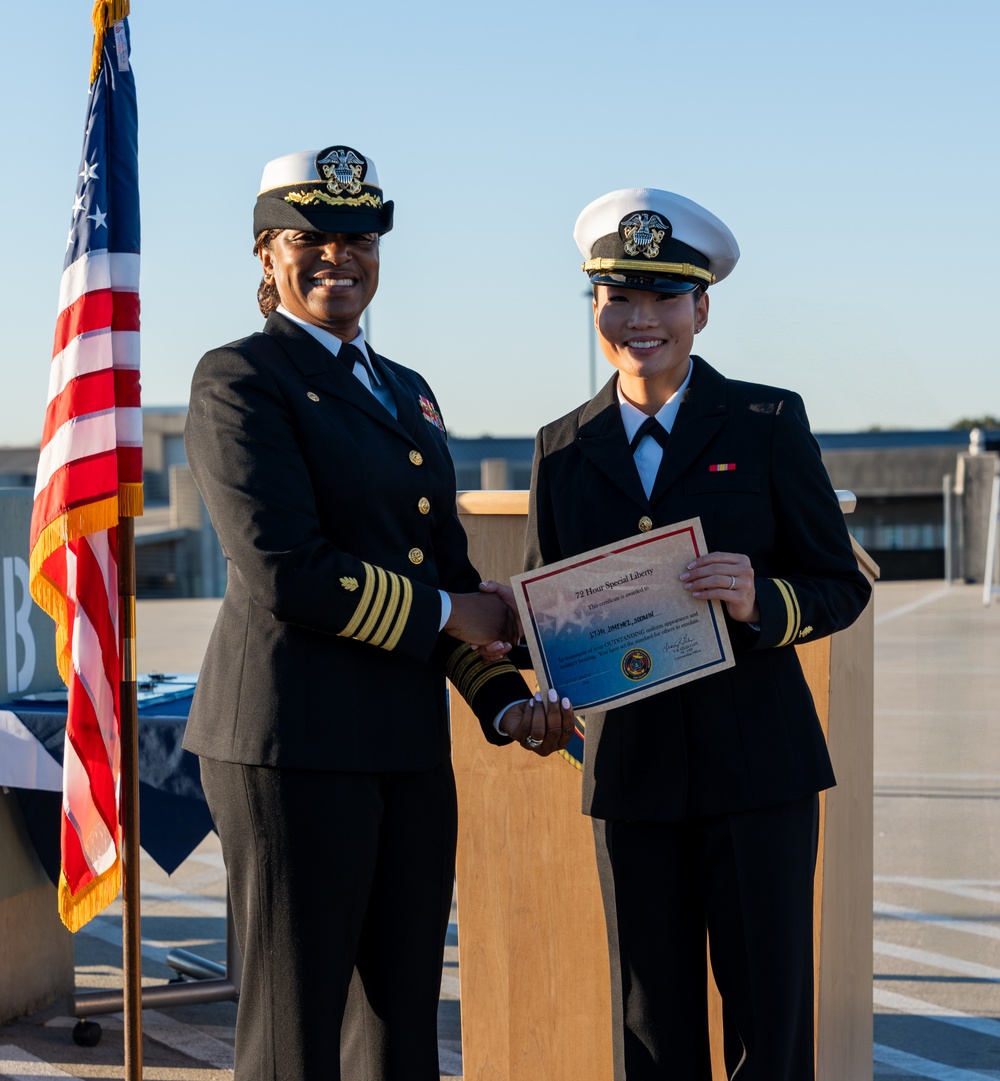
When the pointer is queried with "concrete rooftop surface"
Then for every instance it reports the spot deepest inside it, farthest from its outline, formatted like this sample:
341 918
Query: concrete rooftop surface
936 920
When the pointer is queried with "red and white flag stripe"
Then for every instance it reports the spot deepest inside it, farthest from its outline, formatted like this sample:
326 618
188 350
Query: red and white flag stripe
90 455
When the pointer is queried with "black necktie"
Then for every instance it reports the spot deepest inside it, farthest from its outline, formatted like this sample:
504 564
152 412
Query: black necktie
650 426
349 355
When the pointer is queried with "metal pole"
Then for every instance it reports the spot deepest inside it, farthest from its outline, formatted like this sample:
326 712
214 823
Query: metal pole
131 931
989 571
948 538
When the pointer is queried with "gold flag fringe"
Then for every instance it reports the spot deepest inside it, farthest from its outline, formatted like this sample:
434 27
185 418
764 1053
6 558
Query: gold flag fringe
70 525
106 13
130 500
76 910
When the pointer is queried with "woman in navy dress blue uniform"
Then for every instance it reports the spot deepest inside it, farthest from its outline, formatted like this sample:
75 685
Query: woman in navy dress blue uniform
703 797
320 715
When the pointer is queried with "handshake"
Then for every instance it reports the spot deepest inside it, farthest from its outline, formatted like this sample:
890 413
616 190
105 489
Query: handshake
488 620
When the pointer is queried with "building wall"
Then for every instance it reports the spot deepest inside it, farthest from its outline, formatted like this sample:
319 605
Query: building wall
899 479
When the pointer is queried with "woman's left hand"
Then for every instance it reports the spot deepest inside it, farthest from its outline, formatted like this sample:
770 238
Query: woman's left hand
726 577
542 725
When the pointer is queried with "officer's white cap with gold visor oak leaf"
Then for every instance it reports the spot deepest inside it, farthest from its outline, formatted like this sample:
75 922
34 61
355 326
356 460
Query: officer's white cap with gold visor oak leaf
645 238
334 190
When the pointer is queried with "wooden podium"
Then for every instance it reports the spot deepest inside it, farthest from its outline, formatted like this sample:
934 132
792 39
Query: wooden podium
533 956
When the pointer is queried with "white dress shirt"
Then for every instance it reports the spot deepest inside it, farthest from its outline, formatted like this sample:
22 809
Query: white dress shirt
649 453
363 372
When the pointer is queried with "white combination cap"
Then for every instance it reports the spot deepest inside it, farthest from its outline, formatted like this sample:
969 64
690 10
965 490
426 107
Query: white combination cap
645 238
333 190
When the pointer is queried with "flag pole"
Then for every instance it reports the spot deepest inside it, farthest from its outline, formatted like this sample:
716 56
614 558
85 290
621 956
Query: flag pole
131 926
106 13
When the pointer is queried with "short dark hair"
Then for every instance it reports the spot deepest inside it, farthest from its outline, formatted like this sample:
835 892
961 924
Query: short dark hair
267 292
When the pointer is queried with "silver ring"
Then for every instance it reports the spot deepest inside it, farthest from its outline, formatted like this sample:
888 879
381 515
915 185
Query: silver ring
533 743
732 582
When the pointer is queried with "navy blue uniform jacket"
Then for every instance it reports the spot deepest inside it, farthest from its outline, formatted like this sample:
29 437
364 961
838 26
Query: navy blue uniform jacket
339 525
748 736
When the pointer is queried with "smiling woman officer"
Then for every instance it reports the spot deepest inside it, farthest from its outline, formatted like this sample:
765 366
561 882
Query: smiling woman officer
703 797
320 715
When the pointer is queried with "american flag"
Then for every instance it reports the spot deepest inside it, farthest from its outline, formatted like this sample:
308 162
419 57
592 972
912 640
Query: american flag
90 469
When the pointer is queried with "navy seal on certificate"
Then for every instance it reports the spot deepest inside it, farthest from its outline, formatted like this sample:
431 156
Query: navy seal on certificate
613 625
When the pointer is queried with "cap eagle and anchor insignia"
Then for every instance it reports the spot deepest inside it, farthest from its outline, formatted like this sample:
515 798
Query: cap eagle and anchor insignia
643 233
343 168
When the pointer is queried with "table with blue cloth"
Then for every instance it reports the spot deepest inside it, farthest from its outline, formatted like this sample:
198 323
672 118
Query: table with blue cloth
173 815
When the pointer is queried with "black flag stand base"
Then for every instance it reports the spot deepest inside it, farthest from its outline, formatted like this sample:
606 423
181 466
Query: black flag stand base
209 982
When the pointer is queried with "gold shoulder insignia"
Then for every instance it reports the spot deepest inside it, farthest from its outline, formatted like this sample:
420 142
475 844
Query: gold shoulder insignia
350 584
805 632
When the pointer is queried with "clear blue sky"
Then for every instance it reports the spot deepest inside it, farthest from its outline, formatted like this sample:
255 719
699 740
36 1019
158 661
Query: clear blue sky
851 147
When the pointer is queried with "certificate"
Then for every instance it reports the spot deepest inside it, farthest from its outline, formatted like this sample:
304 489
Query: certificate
616 624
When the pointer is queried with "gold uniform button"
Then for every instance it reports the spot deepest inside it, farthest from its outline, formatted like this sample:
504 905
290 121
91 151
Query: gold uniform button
424 506
645 523
416 457
416 556
312 396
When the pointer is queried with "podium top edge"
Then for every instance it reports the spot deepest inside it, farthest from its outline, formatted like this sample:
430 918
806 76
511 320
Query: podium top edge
493 502
516 502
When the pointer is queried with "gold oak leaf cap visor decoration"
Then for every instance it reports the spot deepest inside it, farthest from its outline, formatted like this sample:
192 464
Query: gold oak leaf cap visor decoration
645 238
334 190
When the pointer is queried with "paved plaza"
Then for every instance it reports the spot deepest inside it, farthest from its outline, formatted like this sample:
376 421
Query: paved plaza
936 923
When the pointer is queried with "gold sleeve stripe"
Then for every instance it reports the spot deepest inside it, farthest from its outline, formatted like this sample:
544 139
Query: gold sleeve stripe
470 673
383 610
798 611
499 669
366 596
460 662
364 632
404 614
389 610
794 616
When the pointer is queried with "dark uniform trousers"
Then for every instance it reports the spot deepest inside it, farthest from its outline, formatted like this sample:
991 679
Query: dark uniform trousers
746 879
321 714
704 796
345 882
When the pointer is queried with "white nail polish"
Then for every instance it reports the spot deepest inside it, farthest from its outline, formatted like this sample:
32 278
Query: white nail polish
552 694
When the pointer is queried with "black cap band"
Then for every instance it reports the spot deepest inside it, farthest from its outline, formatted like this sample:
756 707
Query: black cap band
650 283
310 206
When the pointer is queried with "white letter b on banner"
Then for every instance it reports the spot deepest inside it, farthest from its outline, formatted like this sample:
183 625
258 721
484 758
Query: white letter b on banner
16 625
